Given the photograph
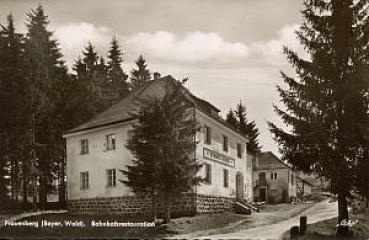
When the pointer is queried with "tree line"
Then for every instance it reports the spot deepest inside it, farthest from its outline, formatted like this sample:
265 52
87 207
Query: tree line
40 99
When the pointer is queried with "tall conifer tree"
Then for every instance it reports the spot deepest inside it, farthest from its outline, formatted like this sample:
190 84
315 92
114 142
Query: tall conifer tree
327 104
163 144
238 119
231 119
89 94
45 70
117 86
12 92
141 75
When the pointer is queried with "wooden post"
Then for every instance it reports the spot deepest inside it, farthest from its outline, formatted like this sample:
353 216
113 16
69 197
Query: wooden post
294 232
303 226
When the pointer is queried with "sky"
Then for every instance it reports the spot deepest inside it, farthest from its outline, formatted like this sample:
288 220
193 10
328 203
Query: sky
230 50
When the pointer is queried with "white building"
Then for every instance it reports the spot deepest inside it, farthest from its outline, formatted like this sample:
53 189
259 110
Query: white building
274 181
96 152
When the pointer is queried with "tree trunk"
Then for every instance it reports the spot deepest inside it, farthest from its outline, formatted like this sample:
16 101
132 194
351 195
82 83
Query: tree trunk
61 187
43 191
35 191
342 230
166 210
153 202
25 191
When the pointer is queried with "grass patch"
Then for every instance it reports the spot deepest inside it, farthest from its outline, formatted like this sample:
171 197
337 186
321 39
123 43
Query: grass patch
327 229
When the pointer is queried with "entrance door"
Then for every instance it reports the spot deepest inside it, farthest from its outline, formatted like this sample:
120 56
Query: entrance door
262 194
239 186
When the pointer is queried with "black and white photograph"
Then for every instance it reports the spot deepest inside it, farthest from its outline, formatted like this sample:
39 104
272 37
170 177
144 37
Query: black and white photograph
184 119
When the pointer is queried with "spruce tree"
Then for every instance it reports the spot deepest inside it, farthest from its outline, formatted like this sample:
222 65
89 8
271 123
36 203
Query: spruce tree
89 84
231 119
44 72
162 145
12 97
117 80
141 75
247 128
327 103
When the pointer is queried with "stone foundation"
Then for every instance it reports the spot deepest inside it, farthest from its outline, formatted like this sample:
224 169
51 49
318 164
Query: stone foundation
213 204
188 205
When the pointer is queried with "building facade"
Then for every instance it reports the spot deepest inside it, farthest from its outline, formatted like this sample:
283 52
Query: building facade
96 153
303 187
273 180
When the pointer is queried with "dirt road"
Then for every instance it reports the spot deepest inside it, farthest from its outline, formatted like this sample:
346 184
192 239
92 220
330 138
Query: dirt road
318 212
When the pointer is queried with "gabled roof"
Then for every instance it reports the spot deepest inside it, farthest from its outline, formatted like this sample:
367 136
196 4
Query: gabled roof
269 156
266 158
120 112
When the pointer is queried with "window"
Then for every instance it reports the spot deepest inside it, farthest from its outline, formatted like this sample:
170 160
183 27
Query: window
239 150
262 176
207 178
273 175
111 177
84 146
84 180
207 135
225 143
292 179
225 178
130 134
110 142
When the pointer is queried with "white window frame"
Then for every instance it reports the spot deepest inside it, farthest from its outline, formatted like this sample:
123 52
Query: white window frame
225 178
225 143
208 173
84 146
111 177
110 142
130 134
84 180
207 135
239 150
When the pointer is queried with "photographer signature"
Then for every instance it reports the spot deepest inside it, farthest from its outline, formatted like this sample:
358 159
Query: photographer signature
347 223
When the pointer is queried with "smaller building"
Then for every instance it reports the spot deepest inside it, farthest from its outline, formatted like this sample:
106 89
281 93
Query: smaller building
303 187
274 181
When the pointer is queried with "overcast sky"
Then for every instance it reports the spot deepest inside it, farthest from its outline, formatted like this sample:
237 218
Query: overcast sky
229 49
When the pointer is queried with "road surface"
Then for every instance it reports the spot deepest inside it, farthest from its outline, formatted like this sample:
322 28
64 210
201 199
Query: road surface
319 212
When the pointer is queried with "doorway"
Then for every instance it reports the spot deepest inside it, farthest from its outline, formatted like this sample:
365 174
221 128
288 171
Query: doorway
239 186
262 194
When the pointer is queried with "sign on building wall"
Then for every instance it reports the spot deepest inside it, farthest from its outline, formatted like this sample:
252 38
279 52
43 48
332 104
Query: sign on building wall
215 156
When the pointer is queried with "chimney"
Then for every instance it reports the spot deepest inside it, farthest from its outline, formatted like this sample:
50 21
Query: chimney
156 75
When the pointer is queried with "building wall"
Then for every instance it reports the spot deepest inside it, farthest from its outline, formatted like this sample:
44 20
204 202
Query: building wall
307 189
216 187
292 184
277 189
96 162
303 188
187 204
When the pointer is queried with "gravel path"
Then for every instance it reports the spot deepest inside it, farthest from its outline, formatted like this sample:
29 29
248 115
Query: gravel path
318 212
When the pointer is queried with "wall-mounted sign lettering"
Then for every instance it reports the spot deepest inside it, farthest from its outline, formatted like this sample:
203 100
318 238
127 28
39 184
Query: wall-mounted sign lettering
213 155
